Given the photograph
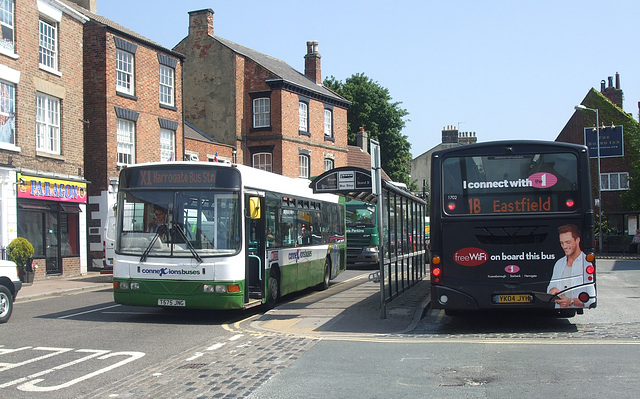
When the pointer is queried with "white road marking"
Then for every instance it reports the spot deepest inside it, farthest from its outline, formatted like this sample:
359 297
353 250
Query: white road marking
88 311
30 383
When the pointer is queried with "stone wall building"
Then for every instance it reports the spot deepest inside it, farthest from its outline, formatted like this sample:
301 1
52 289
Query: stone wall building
277 118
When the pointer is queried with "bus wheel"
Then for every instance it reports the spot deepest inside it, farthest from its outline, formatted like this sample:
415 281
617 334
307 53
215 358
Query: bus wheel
274 289
327 276
6 304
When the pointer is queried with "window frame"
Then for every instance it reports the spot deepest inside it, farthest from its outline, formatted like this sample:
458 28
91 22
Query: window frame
621 179
130 144
166 89
328 164
304 166
328 123
167 144
264 161
48 53
261 112
48 123
8 46
303 118
121 73
7 111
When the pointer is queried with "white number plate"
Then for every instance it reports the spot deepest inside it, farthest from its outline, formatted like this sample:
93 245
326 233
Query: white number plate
172 302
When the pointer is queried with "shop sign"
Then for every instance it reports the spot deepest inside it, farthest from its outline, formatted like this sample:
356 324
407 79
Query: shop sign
34 187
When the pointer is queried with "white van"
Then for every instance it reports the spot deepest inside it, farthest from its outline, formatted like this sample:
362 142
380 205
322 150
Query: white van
10 284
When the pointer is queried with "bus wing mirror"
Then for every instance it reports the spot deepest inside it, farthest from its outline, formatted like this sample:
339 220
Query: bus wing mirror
254 207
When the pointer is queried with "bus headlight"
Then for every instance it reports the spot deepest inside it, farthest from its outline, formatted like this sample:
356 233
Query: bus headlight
135 286
210 288
123 285
371 249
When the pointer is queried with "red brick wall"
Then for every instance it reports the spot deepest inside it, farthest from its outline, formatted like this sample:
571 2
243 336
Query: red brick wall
101 94
100 98
284 133
573 132
67 85
204 149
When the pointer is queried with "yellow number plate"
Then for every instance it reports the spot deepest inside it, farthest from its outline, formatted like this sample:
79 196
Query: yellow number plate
513 298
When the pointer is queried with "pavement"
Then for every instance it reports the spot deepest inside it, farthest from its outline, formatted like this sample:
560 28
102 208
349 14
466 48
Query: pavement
352 307
59 285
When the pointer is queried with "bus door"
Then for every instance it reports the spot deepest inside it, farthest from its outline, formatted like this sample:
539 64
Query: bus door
254 249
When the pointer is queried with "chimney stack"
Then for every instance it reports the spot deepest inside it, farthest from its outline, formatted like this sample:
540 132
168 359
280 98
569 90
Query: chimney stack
614 94
201 23
450 134
361 139
312 62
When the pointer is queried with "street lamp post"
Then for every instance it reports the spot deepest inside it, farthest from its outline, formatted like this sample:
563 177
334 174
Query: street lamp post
583 108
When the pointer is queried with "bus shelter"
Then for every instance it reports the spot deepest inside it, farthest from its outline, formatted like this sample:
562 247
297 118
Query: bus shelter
402 249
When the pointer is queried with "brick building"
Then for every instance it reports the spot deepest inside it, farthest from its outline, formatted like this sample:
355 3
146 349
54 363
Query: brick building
277 118
42 168
198 146
421 165
615 134
132 111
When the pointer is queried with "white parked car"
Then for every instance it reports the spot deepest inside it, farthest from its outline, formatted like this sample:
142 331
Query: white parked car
10 284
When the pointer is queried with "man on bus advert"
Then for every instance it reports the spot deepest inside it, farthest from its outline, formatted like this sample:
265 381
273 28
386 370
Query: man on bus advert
569 270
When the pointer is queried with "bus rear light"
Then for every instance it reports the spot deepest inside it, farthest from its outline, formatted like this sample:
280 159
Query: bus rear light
451 206
590 269
435 260
436 272
570 203
584 297
590 257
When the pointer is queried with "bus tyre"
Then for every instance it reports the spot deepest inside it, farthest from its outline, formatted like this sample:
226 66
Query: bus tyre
274 288
327 276
6 304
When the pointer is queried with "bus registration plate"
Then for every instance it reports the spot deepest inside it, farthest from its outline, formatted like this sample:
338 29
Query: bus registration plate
512 298
172 302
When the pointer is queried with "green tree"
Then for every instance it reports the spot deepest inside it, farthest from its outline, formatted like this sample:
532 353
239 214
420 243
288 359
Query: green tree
372 107
631 197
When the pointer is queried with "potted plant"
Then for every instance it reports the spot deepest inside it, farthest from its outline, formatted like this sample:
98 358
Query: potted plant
20 251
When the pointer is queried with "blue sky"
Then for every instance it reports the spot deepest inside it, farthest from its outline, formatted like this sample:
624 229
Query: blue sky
502 69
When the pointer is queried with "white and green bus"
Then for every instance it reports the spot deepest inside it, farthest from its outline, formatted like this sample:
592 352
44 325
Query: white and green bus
221 236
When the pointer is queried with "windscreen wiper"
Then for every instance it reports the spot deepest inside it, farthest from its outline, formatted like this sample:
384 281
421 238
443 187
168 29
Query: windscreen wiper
189 245
146 251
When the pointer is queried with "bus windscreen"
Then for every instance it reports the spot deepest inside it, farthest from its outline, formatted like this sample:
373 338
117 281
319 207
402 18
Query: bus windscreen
510 184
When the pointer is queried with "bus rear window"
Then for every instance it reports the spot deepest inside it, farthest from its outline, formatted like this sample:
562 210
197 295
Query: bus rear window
510 184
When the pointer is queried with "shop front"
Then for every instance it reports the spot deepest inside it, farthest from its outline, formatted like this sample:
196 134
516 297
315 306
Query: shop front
50 215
